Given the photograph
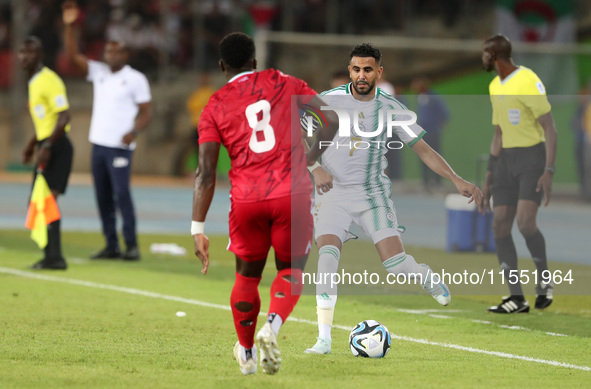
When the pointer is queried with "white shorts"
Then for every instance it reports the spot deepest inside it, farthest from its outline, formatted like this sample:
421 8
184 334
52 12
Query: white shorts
335 211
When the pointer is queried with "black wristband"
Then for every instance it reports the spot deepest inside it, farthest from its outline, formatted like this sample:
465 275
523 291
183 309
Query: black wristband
492 160
46 144
135 133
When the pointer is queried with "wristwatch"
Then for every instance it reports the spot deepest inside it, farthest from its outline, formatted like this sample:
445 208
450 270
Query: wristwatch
550 169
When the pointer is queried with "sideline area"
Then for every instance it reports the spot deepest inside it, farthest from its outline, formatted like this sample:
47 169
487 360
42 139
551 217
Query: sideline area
163 205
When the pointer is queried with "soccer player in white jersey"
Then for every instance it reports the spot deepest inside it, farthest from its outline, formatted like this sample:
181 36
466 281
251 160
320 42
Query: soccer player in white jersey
351 186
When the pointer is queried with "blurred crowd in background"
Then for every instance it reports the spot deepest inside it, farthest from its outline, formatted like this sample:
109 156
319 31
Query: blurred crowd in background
174 42
186 27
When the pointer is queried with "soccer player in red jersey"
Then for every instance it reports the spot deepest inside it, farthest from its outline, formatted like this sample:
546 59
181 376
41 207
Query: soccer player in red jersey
270 195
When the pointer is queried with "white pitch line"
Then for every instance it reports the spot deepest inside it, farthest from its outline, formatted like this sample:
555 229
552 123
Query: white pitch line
91 284
436 316
482 321
426 311
514 327
555 334
145 293
440 316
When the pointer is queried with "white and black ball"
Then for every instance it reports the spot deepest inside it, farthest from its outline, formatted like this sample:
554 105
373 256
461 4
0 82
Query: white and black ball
370 339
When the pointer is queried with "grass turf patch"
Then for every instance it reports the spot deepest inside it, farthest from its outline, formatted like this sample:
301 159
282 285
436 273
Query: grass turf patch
57 334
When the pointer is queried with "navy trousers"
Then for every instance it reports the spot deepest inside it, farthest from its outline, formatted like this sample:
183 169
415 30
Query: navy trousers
111 170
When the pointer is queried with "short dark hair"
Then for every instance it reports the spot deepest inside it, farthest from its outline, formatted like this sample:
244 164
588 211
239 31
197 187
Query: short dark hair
236 49
366 50
500 45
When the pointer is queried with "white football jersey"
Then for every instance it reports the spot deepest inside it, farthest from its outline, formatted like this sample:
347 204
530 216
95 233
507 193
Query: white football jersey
359 160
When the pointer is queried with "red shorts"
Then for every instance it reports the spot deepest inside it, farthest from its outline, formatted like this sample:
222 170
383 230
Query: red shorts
284 223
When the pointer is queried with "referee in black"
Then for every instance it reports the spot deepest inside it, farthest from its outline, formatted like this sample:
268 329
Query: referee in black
521 168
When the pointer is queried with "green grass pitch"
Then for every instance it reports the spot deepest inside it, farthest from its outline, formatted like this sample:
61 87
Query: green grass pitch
111 324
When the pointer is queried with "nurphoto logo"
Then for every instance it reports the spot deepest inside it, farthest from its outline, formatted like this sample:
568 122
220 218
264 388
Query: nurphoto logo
391 118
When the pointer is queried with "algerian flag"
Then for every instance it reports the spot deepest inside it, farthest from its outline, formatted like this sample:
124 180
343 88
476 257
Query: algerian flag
42 211
542 21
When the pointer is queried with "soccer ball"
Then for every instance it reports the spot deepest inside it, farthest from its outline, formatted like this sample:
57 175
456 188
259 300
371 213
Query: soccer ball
370 339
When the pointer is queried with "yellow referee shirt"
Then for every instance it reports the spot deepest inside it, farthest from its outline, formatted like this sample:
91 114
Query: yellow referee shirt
47 98
517 103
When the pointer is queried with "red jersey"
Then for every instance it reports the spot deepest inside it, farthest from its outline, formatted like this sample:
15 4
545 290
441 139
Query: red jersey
251 116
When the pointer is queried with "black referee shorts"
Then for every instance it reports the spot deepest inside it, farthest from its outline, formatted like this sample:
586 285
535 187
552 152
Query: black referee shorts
516 175
57 171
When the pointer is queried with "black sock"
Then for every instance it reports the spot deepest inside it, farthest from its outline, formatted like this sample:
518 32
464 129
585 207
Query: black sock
46 248
53 249
537 248
507 256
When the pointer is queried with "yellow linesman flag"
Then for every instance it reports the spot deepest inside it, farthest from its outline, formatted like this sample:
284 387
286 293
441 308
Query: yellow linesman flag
43 210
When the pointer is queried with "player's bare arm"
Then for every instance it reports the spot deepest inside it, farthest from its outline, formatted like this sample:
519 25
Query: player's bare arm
141 122
203 190
545 180
59 130
440 166
29 149
495 150
70 13
497 143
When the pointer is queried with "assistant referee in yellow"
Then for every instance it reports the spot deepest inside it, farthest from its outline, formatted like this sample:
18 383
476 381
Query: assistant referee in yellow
521 167
49 108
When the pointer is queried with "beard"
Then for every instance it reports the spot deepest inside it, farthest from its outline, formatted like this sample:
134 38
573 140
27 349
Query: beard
489 67
370 88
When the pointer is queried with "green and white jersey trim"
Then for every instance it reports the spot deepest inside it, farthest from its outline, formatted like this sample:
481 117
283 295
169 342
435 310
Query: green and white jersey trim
359 161
342 88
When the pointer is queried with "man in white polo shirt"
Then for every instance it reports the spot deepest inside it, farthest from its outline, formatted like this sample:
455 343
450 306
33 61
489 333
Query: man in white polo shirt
121 110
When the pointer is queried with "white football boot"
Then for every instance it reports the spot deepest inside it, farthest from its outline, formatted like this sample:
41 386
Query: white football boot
438 290
250 365
270 359
322 346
